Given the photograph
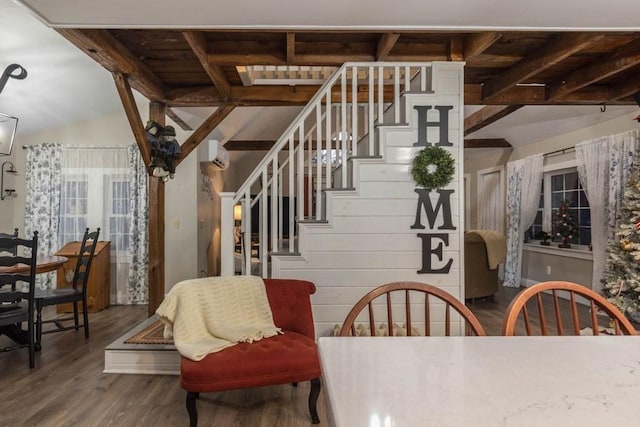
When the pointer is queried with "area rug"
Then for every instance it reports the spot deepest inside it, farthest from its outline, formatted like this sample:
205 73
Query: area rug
152 334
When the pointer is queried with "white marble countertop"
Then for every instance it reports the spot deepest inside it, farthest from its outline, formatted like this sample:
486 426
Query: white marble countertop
482 381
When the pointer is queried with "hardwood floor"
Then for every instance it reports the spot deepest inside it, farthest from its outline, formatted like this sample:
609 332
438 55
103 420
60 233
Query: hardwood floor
68 388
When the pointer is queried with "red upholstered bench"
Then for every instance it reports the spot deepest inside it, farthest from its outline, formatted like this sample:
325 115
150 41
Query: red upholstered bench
288 358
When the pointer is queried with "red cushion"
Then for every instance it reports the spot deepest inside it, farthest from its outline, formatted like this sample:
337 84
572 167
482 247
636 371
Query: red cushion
290 357
291 305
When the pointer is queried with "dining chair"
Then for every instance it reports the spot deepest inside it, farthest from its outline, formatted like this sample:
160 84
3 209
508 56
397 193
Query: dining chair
436 307
543 304
17 303
74 294
12 248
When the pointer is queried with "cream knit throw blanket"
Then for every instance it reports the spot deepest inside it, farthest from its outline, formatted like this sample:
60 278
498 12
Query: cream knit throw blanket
209 314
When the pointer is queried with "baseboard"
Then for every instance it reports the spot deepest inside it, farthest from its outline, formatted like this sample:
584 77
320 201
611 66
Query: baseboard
153 362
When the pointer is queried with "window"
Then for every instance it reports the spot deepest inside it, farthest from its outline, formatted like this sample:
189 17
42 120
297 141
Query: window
73 208
558 186
119 224
99 199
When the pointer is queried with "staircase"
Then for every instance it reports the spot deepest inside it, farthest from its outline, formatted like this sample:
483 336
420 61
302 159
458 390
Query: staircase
334 202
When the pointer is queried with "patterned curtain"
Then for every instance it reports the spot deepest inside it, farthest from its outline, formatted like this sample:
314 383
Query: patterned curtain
524 182
604 165
138 284
43 178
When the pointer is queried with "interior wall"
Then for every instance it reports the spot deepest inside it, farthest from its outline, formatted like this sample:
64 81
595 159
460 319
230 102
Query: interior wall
534 267
7 206
241 164
210 185
180 192
473 162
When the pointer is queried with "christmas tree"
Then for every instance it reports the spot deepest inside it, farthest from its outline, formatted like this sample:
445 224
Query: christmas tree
621 279
565 225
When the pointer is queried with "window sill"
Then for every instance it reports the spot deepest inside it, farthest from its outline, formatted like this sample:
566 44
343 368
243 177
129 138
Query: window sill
555 250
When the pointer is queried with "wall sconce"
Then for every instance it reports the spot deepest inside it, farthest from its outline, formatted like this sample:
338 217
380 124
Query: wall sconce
8 125
7 192
237 214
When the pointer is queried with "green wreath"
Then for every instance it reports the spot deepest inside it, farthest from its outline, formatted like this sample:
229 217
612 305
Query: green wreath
433 167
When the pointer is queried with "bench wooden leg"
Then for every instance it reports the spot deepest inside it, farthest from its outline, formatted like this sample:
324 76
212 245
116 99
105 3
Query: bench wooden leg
313 399
191 408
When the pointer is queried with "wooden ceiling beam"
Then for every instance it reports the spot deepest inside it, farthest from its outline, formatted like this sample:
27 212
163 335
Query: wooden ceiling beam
475 44
249 145
203 131
385 44
487 115
109 52
259 95
487 143
622 59
625 89
456 48
198 43
552 53
178 120
291 48
133 115
536 95
239 58
300 95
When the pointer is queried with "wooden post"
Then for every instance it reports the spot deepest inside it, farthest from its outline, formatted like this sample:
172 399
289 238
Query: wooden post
157 112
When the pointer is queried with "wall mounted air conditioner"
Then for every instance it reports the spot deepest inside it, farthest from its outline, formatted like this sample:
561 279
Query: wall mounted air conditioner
213 155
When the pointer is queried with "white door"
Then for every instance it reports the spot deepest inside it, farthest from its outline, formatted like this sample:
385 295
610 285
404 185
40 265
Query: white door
490 199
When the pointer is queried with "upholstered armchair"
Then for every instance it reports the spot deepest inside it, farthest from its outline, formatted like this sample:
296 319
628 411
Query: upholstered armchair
483 252
290 357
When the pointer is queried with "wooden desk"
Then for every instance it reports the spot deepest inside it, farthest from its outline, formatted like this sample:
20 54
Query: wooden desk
482 381
44 264
98 292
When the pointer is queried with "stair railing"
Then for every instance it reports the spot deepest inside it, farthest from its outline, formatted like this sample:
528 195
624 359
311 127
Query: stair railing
288 186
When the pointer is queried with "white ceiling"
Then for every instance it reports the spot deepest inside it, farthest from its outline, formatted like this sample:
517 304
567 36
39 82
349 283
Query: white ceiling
66 86
370 14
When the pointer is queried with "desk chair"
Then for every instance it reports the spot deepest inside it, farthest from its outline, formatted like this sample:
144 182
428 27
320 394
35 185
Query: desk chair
398 294
535 307
74 294
17 304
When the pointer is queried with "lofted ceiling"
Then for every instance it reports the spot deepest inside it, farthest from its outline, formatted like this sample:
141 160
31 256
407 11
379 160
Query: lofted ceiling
562 62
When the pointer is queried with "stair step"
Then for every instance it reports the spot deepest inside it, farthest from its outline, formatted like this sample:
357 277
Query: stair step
418 92
365 157
339 189
381 125
313 221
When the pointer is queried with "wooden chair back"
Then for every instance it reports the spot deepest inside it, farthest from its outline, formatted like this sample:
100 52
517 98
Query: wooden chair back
85 257
17 288
12 248
428 297
543 303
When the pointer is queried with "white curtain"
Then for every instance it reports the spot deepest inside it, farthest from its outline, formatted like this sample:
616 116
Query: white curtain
71 188
138 281
43 173
604 165
102 187
524 181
